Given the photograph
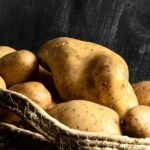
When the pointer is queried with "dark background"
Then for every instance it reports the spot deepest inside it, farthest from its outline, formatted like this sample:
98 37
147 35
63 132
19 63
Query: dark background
122 25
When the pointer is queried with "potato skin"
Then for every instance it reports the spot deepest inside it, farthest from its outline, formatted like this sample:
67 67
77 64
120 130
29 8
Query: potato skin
87 116
127 101
18 67
84 70
43 57
46 78
36 91
142 91
4 50
136 122
82 62
2 83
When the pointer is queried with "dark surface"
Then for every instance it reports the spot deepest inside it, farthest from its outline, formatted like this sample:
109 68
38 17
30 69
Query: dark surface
122 25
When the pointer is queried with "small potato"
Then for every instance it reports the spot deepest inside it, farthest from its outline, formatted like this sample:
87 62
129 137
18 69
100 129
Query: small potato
45 77
4 50
2 83
87 116
43 57
136 122
18 67
142 91
36 91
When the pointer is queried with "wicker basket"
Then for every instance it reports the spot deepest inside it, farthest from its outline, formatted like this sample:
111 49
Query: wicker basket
52 134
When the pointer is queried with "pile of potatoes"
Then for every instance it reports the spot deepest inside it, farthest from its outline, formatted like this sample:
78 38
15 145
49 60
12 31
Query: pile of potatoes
81 84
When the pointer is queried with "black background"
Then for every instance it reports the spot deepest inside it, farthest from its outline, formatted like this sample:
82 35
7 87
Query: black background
122 25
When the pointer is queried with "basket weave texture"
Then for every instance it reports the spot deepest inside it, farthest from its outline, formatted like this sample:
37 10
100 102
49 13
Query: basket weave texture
51 134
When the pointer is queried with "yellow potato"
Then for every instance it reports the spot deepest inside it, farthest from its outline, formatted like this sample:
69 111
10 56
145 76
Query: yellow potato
84 70
127 101
4 50
53 103
36 91
45 77
42 54
18 67
142 91
2 83
136 122
87 116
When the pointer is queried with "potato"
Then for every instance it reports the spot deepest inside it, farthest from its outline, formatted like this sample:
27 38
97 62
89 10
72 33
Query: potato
136 122
84 70
53 103
18 67
45 77
42 57
4 50
36 91
142 91
127 101
87 116
2 83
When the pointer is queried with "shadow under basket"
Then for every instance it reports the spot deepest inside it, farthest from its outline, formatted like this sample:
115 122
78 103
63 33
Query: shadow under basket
51 134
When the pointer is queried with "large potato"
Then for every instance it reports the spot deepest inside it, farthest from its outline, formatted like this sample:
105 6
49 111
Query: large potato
4 50
87 116
19 66
142 91
84 70
136 122
36 91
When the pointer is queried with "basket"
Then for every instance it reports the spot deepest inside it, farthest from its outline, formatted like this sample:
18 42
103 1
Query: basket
51 134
